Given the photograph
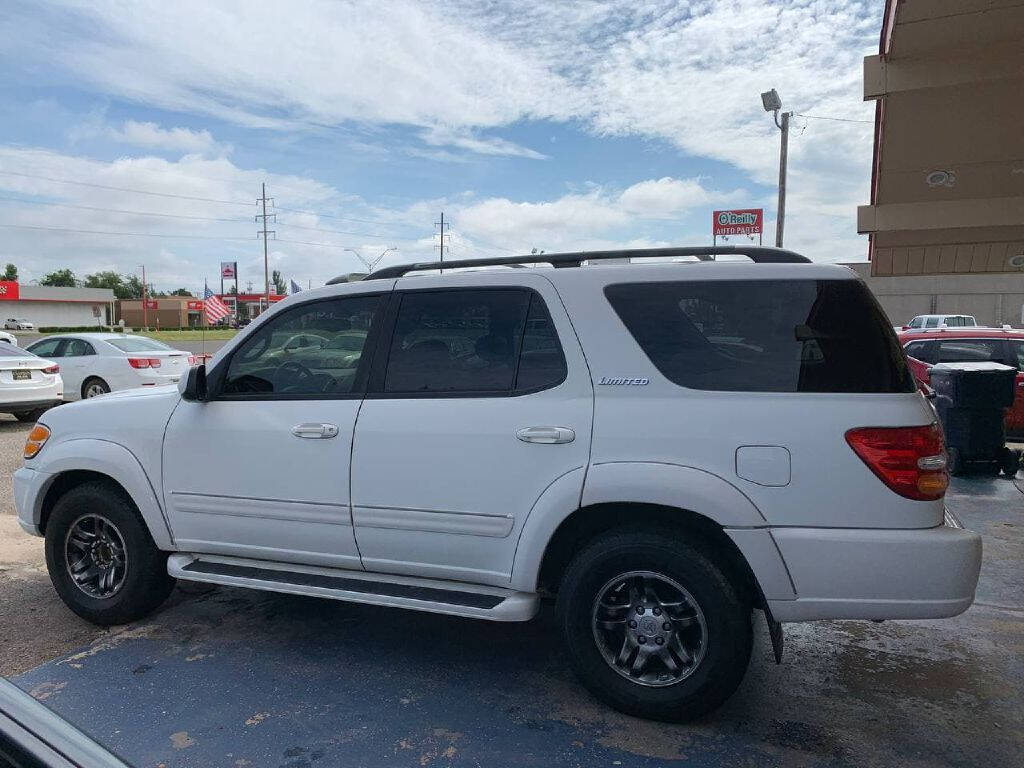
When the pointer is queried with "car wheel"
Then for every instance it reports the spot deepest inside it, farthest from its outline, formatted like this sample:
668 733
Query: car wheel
94 387
100 556
653 626
1009 462
30 416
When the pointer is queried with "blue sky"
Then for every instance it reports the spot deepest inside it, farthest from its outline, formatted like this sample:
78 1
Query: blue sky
551 125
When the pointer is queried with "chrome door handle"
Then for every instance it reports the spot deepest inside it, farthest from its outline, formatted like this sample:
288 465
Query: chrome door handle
315 430
546 435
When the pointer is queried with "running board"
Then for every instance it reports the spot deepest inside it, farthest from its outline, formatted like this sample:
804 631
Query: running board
433 595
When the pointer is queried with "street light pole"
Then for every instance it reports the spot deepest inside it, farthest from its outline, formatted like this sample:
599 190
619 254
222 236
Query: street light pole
145 318
772 102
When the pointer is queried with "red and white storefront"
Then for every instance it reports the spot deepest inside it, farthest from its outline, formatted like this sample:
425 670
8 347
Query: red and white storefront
250 304
49 306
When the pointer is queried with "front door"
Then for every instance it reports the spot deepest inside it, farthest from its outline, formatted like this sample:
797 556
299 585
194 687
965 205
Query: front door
261 469
479 401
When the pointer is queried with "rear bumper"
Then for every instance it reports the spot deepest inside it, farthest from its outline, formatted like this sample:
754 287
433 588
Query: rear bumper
926 573
17 406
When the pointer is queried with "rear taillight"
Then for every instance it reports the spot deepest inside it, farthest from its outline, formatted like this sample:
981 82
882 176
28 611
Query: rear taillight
910 460
138 362
154 362
52 369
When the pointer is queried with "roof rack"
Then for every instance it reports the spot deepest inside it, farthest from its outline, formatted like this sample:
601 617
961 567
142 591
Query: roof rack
757 254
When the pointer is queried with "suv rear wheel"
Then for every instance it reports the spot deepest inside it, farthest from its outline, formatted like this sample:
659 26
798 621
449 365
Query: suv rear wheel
653 626
102 561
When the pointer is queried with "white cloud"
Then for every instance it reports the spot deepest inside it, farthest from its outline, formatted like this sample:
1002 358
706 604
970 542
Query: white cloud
152 136
464 139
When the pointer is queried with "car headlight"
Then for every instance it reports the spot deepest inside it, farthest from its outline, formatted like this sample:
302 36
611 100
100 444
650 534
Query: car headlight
36 440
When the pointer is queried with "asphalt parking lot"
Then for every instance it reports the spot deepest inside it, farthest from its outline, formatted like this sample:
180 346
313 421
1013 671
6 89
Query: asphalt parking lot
237 678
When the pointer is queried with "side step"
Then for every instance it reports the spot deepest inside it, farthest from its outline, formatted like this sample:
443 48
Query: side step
433 595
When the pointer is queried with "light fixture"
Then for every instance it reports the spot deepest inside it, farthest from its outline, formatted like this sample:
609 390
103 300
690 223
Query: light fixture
771 101
940 178
1017 262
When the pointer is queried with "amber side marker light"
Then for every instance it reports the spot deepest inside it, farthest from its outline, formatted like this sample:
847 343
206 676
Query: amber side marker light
909 460
36 440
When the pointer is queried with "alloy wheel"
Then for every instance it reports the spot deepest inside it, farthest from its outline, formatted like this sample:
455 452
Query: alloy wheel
649 628
95 556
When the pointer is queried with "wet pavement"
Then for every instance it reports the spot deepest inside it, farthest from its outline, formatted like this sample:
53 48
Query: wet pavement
237 678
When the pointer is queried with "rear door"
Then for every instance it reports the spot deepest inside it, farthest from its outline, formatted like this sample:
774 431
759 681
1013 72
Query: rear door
78 359
481 399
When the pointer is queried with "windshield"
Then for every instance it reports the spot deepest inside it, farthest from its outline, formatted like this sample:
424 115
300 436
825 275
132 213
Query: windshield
9 350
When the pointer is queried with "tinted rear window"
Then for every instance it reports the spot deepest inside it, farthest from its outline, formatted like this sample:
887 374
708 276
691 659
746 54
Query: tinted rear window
9 350
765 335
134 344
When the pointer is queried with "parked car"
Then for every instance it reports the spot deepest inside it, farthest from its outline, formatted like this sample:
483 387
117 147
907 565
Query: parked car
663 447
28 384
952 345
96 363
8 337
14 324
940 321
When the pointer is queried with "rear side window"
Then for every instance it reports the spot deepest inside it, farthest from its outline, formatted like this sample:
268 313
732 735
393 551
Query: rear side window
765 335
932 322
46 347
969 351
918 350
496 341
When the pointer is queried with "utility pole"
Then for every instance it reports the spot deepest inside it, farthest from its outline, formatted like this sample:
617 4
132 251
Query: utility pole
772 102
264 232
441 224
780 217
145 317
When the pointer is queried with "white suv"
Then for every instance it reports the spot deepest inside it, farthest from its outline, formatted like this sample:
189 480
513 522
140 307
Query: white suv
662 446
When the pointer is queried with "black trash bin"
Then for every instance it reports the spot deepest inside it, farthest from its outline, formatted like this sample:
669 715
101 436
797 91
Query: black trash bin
971 400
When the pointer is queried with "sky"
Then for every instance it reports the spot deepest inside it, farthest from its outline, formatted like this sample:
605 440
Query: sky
141 132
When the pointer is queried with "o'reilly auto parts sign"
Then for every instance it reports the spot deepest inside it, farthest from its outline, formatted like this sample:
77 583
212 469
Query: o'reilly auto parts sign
745 221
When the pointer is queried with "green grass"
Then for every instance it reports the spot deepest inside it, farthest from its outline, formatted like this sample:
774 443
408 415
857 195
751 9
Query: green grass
214 334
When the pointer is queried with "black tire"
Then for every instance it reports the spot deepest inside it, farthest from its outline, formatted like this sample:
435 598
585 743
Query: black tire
727 618
1009 462
94 386
30 417
144 584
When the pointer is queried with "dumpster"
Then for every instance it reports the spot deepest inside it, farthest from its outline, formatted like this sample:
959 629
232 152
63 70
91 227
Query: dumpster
971 400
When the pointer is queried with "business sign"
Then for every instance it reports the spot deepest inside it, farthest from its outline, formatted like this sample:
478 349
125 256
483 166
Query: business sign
150 303
228 270
195 306
8 290
745 221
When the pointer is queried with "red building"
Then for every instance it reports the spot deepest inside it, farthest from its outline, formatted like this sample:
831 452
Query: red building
248 305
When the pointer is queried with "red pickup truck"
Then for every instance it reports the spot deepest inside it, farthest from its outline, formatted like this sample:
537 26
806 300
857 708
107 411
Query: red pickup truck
958 345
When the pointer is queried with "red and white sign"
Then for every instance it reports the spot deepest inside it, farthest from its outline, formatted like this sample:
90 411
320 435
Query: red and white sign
8 290
150 303
195 306
744 221
228 270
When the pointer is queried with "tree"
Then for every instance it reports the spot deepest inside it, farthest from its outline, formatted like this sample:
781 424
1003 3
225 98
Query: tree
11 273
181 292
123 286
62 278
279 287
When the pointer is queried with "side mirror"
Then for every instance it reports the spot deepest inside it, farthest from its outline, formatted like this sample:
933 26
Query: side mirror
195 384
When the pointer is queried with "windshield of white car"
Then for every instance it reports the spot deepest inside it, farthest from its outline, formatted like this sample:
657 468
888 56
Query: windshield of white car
137 344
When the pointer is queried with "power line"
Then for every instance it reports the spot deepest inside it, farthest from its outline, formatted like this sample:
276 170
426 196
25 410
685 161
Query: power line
124 189
264 232
333 231
126 234
345 218
836 119
118 210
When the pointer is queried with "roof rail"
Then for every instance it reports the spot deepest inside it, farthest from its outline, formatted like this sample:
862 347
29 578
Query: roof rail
757 254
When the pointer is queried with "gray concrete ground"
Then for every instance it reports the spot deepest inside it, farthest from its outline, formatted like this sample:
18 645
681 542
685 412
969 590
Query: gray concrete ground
238 678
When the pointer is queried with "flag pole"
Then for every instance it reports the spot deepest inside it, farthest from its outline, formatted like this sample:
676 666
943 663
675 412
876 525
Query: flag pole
203 352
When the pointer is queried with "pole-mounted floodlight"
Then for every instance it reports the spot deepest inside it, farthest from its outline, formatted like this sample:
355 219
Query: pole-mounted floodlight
772 102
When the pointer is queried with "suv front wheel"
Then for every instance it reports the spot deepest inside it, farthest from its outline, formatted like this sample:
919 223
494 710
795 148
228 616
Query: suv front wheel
653 626
100 556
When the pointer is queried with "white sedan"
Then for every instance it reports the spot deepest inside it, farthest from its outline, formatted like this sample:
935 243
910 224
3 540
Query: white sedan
8 337
28 384
16 324
96 363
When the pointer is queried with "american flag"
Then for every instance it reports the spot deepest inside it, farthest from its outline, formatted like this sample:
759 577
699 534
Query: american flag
215 308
